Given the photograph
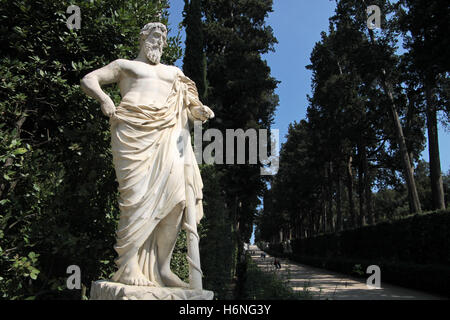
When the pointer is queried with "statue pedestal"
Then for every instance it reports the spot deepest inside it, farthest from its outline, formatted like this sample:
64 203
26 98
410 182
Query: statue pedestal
108 290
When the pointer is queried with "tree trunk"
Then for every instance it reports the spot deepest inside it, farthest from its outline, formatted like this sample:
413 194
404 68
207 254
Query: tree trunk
330 222
317 224
324 201
338 201
437 186
367 186
362 210
408 172
350 192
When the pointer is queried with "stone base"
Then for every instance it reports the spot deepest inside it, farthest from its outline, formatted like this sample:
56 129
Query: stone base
108 290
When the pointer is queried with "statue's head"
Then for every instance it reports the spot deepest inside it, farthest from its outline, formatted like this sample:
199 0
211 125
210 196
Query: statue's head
153 39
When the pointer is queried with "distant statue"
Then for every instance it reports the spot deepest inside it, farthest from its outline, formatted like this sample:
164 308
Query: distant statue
159 180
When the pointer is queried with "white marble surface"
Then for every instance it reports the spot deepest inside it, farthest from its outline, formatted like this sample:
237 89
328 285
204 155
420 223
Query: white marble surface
159 180
107 290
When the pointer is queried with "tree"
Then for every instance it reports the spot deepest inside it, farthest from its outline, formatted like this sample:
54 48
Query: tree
424 25
354 12
363 126
194 61
59 194
241 93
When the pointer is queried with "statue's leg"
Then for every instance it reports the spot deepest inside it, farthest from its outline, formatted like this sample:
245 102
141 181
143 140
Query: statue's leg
166 236
132 274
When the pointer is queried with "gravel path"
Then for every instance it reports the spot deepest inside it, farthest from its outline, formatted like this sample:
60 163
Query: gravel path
329 285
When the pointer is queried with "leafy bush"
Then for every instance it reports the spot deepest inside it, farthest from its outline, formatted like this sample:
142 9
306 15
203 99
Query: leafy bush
58 192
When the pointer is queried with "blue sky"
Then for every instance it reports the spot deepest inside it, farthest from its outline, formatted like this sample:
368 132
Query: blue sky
297 25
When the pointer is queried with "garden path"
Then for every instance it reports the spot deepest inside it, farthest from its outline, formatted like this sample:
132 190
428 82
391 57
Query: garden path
329 285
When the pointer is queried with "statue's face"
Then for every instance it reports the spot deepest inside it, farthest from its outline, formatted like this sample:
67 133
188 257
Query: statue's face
154 44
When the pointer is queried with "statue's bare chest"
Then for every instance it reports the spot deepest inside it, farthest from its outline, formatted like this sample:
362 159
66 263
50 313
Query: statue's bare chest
141 83
139 71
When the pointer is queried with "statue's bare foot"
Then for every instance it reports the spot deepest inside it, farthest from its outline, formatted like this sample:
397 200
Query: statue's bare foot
132 275
172 280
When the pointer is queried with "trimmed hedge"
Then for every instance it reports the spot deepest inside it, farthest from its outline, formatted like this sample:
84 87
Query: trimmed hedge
412 252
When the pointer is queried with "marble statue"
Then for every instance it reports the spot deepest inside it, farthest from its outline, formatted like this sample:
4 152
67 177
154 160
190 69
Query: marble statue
159 180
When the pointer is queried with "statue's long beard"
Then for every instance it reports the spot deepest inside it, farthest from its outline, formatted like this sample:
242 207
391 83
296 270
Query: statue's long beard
153 54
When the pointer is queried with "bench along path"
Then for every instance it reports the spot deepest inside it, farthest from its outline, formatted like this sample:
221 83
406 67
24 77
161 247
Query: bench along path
324 284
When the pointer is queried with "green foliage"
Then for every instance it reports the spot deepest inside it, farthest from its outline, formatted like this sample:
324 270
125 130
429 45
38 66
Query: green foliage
299 177
179 263
446 179
194 60
216 239
423 25
58 201
228 38
241 94
342 167
392 203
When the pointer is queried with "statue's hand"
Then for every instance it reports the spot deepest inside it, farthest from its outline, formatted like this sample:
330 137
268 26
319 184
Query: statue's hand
108 107
202 113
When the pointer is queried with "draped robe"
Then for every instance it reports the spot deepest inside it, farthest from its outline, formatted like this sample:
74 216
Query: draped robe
154 164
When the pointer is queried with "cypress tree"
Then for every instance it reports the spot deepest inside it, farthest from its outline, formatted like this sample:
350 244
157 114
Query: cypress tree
194 61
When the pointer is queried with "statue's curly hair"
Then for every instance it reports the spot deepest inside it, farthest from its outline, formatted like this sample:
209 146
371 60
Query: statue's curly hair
148 28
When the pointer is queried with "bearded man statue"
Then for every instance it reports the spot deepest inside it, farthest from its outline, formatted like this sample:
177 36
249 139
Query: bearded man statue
159 180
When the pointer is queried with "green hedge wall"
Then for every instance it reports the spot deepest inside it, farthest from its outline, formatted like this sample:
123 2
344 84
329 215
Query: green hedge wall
421 239
413 252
